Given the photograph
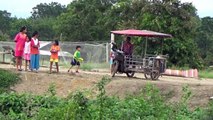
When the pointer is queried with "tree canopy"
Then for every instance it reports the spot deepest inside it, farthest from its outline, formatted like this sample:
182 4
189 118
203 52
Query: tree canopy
92 20
44 10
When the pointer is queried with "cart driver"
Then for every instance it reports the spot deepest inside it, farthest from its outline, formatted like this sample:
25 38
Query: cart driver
127 47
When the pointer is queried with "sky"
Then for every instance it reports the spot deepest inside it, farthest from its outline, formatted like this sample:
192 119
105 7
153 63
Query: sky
22 8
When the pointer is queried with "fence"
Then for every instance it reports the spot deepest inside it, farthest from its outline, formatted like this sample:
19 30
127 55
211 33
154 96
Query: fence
92 53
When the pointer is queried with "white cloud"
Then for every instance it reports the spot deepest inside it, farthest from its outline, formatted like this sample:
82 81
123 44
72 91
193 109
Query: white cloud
22 8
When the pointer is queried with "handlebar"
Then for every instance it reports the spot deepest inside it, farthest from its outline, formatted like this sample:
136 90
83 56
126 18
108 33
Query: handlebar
115 48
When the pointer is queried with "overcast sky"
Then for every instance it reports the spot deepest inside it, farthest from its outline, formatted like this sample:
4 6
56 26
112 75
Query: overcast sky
22 8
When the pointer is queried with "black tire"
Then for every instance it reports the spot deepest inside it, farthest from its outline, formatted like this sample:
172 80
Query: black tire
130 74
155 75
114 68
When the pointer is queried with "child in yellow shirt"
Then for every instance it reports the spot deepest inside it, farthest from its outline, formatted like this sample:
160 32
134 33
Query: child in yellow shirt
54 55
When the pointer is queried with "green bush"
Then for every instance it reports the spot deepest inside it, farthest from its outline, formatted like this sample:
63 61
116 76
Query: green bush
7 79
18 106
149 105
209 113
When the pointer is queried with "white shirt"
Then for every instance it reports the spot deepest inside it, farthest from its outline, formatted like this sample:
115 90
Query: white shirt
27 48
35 41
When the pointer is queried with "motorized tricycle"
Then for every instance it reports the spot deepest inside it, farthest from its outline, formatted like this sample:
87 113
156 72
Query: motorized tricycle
153 66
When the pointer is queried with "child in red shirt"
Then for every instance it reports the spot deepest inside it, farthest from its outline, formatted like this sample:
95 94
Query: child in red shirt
34 52
54 55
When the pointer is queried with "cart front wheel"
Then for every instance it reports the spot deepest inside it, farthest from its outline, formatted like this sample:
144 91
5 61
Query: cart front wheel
155 75
130 74
114 68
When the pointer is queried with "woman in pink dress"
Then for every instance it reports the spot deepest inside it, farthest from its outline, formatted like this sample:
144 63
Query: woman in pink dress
20 40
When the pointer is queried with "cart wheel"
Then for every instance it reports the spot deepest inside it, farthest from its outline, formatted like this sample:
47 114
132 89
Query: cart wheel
155 75
130 74
114 68
147 75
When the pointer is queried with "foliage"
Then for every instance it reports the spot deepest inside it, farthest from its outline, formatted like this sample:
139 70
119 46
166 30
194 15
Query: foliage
204 40
4 25
5 18
206 73
148 105
51 89
87 67
4 37
92 20
174 17
44 10
45 28
84 20
7 79
16 24
14 106
209 115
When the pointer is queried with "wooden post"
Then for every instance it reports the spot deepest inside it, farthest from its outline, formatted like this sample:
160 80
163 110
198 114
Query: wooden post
161 46
3 56
112 41
107 52
145 47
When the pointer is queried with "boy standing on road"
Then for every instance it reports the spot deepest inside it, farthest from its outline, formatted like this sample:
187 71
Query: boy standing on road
77 59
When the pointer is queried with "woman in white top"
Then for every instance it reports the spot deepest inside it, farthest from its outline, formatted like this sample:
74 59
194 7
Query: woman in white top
27 52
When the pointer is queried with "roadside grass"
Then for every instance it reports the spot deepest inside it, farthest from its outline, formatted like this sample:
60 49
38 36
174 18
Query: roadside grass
88 66
206 74
92 66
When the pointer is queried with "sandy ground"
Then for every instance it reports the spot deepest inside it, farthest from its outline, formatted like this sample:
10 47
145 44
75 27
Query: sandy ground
171 87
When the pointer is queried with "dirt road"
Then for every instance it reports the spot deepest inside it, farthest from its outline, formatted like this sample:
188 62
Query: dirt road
171 87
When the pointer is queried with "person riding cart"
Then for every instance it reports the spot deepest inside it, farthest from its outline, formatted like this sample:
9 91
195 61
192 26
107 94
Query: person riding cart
127 47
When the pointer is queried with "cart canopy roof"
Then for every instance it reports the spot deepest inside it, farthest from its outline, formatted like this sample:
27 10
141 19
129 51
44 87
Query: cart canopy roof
145 33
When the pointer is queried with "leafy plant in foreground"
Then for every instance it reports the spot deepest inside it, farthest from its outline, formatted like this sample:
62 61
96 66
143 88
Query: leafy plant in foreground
7 79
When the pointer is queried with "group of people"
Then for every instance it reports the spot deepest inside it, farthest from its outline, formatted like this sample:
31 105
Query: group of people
27 47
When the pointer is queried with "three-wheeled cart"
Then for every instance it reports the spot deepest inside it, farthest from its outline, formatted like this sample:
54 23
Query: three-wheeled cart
153 66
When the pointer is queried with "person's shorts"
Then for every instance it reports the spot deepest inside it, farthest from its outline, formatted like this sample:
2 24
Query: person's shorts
53 60
27 56
74 62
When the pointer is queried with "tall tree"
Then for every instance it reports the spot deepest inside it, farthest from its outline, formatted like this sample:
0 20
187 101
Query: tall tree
45 27
16 24
204 40
44 10
84 21
44 17
5 18
168 16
